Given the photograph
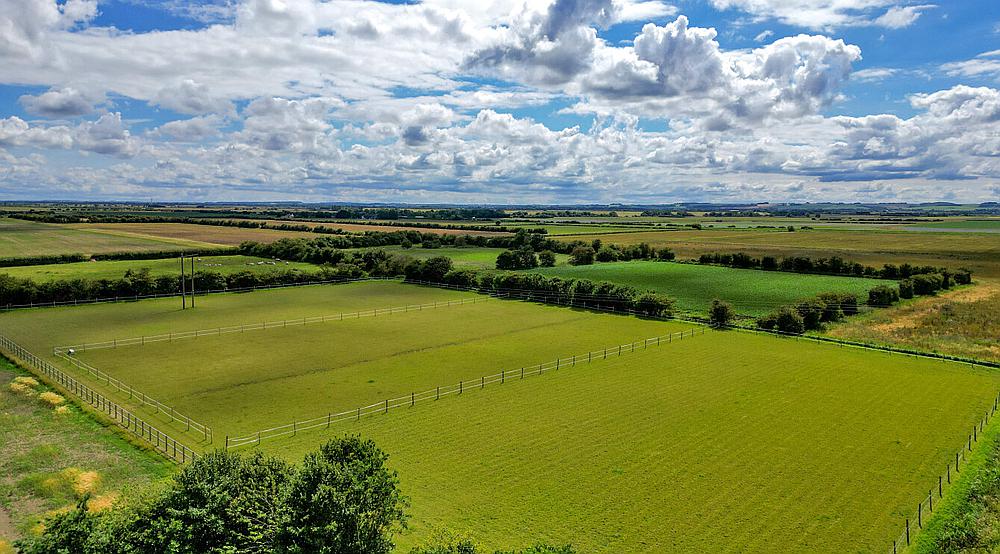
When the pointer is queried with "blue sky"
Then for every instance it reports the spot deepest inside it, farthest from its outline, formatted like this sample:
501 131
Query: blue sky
561 101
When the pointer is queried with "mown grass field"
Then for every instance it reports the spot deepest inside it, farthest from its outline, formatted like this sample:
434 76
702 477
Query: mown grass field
243 382
750 291
27 238
114 269
49 459
731 441
728 442
977 251
206 234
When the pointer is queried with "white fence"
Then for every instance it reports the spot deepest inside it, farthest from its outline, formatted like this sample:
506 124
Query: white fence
170 337
462 386
160 441
142 397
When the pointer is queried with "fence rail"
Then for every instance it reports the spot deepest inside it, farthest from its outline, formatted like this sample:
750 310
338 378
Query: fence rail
170 337
926 505
141 397
436 393
160 441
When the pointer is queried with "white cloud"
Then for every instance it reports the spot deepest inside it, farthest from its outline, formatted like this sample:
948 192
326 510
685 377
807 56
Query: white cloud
58 103
898 17
874 73
763 35
195 129
828 14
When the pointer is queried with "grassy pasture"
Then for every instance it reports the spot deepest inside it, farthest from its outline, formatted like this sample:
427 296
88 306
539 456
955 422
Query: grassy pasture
113 269
244 382
28 238
750 291
47 459
210 234
961 322
727 442
977 251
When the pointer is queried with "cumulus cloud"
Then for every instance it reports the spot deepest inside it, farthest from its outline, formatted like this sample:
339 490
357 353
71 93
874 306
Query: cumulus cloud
26 24
190 97
58 103
898 17
194 129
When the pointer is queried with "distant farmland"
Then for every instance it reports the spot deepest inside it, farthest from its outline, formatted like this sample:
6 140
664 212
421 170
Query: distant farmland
977 251
213 234
750 291
20 238
114 269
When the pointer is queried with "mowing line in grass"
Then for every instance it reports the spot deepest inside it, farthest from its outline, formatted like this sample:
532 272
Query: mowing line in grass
170 337
436 393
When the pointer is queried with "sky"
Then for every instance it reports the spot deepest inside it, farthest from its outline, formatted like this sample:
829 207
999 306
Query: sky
502 102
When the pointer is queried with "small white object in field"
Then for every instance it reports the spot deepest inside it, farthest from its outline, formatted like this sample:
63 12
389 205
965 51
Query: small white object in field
71 351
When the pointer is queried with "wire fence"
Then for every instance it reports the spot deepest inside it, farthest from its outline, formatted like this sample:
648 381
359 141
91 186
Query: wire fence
170 337
160 441
926 505
437 393
141 397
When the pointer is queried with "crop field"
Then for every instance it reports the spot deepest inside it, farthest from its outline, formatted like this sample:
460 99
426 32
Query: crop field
27 238
732 441
113 269
750 291
977 251
383 228
212 235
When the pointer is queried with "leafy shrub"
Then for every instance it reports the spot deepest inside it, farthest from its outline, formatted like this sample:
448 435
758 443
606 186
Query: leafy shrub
720 313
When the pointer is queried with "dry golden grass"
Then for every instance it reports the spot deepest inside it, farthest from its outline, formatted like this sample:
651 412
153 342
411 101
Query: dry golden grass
102 502
21 388
51 398
27 381
62 410
85 481
963 322
6 547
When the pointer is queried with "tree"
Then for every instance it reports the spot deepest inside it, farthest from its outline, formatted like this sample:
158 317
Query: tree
522 258
785 320
720 313
221 502
65 533
606 254
665 254
812 312
906 288
881 296
546 258
343 499
582 255
654 305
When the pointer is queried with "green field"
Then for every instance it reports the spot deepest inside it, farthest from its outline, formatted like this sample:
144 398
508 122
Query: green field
20 238
249 381
750 291
732 441
114 269
977 251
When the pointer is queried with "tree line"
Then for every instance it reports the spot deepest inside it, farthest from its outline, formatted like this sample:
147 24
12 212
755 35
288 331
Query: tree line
829 266
532 286
143 255
341 499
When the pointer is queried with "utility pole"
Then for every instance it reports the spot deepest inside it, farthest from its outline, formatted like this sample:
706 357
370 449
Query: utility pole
192 281
183 293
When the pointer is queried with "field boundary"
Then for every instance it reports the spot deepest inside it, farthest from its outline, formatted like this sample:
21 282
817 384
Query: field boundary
383 407
170 337
908 534
142 397
137 297
160 441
